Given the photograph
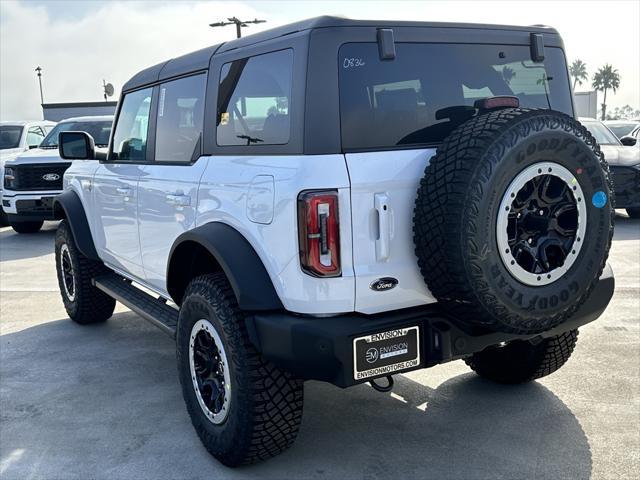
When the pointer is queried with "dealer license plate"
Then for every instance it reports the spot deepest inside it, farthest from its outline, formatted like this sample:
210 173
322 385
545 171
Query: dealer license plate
386 352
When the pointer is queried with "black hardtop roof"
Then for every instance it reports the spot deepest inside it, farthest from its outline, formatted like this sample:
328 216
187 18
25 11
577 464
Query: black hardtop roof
191 62
199 60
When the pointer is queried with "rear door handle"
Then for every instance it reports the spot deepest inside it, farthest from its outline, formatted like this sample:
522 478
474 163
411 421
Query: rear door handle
178 200
383 243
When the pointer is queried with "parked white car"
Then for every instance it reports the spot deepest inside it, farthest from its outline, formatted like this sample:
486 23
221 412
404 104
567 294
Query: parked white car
15 138
31 179
624 164
622 128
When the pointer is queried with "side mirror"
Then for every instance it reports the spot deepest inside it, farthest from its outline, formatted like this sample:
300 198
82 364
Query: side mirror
628 141
76 146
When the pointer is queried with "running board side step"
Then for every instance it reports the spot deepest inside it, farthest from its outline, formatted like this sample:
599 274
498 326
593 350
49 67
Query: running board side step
148 307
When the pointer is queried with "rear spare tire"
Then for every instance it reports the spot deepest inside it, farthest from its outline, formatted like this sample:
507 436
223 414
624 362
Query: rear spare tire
513 220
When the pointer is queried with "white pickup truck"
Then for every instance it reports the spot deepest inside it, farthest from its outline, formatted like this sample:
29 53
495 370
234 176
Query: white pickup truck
15 138
31 179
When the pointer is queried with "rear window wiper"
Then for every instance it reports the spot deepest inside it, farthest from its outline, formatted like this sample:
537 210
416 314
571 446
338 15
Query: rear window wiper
249 139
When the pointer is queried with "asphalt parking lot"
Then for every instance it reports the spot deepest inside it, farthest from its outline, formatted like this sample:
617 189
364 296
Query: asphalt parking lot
103 401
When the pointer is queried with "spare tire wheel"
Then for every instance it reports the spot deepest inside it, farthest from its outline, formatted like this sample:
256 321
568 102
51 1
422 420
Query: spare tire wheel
513 220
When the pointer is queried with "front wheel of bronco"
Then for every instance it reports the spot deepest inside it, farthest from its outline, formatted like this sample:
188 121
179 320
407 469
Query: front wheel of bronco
244 408
523 361
83 302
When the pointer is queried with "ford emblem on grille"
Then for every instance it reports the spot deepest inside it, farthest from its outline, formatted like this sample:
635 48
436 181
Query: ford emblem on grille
51 177
382 284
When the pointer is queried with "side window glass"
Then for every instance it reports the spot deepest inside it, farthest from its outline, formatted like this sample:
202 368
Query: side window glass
130 137
34 136
254 100
179 125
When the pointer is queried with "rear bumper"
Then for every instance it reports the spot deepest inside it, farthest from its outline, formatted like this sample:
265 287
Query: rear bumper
322 348
626 185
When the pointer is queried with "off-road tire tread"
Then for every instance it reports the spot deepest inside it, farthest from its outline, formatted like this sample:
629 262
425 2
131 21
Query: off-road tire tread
274 398
551 354
450 187
91 304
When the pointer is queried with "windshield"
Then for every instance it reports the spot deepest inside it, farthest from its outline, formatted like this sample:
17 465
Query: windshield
10 136
99 130
429 89
602 134
621 129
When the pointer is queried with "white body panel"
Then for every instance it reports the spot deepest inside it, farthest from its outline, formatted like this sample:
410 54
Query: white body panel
138 211
224 192
37 155
115 222
167 199
79 178
383 192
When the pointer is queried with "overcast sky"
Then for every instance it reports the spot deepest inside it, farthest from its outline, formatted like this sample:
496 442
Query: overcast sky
80 43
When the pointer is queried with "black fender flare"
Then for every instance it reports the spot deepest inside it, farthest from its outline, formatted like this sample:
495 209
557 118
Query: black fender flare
68 205
234 255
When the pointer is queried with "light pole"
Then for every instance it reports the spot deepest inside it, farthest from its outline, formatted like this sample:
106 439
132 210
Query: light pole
238 23
39 72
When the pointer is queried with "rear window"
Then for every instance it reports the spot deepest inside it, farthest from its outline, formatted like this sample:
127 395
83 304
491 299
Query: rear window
426 91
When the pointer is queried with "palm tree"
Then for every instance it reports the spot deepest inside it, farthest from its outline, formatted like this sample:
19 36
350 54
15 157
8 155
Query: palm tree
508 73
604 79
578 70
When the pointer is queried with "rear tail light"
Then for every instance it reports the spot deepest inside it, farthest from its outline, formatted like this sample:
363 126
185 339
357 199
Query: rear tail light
319 233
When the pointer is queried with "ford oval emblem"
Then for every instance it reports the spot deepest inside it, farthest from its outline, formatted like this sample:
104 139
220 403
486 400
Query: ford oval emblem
382 284
51 177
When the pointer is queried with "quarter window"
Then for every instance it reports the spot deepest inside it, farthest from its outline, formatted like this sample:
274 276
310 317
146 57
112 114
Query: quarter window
34 136
130 136
254 99
179 125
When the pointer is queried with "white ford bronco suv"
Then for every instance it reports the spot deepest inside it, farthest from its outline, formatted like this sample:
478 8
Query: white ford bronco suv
341 201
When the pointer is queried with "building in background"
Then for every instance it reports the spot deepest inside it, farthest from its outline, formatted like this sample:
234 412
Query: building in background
586 104
59 111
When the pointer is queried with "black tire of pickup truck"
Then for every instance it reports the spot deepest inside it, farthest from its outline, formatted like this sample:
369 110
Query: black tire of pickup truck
27 227
265 404
523 361
633 212
460 197
84 303
4 220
